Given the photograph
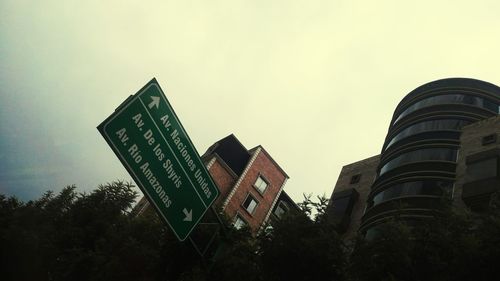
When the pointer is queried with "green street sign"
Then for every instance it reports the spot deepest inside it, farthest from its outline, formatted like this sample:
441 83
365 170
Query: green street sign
148 138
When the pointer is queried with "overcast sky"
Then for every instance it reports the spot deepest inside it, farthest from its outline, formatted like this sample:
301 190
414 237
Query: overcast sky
314 82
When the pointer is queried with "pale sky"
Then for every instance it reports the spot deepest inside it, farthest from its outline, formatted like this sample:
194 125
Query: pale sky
314 82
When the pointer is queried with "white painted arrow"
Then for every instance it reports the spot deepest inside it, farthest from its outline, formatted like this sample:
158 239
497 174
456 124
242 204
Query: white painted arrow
155 102
189 215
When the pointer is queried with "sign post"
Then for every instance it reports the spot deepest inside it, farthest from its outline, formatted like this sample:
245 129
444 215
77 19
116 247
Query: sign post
148 138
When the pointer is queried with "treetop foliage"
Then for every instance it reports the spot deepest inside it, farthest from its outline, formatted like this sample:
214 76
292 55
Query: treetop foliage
95 236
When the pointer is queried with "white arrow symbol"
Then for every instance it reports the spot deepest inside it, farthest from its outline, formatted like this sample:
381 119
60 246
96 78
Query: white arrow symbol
155 101
189 215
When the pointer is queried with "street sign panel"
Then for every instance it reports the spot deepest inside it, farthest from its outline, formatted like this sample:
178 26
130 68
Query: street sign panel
148 138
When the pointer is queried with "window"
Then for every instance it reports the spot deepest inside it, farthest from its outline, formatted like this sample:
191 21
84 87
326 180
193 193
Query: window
281 209
342 204
416 188
355 178
450 99
483 169
250 204
260 184
426 154
426 126
239 222
489 139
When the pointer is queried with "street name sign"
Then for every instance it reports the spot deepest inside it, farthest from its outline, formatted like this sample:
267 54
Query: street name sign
150 141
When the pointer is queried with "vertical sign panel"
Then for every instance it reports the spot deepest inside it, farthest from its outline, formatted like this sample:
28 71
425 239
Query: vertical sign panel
150 141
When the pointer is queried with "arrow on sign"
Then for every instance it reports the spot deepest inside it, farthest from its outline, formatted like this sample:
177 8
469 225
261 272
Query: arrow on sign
189 215
155 102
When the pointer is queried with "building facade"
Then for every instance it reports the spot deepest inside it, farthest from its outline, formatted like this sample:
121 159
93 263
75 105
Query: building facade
432 141
250 183
478 169
351 190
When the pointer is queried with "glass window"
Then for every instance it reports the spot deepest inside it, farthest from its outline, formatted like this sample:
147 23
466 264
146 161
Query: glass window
432 125
373 233
483 169
489 139
429 187
446 154
281 209
239 222
250 204
260 184
355 178
341 205
492 106
450 98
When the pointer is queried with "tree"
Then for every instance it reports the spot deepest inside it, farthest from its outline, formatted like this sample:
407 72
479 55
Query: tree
93 236
452 245
297 247
237 258
75 236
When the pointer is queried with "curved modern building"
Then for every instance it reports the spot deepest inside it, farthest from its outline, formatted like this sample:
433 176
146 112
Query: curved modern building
417 166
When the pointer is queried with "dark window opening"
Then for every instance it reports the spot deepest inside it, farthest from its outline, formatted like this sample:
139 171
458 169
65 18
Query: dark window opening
281 209
250 204
451 99
483 169
481 181
427 126
239 222
489 139
355 178
261 184
341 206
425 154
416 188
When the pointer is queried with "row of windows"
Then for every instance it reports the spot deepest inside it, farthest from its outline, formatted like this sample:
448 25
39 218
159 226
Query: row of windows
250 203
376 230
427 187
433 125
453 99
446 154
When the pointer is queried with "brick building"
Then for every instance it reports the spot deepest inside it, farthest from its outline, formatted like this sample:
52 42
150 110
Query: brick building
250 183
442 143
